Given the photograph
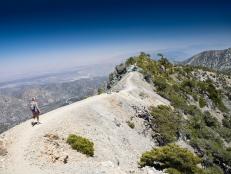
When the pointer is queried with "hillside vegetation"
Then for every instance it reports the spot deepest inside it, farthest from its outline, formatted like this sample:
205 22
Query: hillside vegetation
199 116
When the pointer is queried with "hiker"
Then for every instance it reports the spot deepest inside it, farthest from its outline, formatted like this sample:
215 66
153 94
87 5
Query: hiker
35 110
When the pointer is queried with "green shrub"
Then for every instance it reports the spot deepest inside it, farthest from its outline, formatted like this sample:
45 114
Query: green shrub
214 95
195 97
191 110
202 102
210 121
171 92
172 171
188 69
167 123
188 85
172 156
214 170
130 61
177 100
81 144
211 148
100 90
71 139
160 83
228 149
131 124
226 122
225 133
205 132
164 61
202 87
222 107
203 127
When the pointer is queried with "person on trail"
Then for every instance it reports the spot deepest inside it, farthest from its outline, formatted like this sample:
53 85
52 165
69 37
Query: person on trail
35 110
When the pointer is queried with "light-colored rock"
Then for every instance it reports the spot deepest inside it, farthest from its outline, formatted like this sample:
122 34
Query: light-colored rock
152 170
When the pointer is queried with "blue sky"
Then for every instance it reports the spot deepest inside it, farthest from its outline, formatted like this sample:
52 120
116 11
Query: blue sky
40 36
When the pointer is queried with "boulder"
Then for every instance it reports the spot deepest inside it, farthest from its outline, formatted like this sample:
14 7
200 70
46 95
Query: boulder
121 69
148 78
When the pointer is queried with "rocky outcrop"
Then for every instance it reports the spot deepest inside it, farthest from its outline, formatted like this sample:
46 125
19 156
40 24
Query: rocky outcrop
116 75
119 72
214 59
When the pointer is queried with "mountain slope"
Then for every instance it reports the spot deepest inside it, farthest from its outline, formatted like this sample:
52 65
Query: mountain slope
101 118
214 59
200 118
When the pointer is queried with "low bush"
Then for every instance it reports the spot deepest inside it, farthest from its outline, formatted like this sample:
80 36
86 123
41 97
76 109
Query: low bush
208 143
207 87
202 102
210 121
100 90
81 144
188 69
191 110
188 85
214 170
167 123
130 61
131 124
172 157
160 83
226 121
164 61
172 171
224 133
228 149
171 92
178 101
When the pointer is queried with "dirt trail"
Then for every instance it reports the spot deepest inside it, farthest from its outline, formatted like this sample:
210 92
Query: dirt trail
100 118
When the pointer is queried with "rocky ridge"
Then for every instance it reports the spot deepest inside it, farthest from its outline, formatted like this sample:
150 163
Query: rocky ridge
214 59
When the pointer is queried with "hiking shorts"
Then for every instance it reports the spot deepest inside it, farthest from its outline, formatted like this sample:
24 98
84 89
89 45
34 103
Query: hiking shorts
35 114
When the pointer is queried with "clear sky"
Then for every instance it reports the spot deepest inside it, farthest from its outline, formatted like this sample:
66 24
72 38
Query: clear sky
38 36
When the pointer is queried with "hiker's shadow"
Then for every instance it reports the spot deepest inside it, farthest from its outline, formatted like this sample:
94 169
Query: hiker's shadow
33 123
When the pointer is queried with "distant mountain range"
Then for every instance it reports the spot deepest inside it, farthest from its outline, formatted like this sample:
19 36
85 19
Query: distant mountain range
214 59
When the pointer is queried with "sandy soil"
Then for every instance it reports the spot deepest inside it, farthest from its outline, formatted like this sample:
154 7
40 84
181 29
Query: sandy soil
42 149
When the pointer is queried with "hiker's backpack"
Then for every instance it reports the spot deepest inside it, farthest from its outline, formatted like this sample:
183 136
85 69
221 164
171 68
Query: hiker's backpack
33 108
